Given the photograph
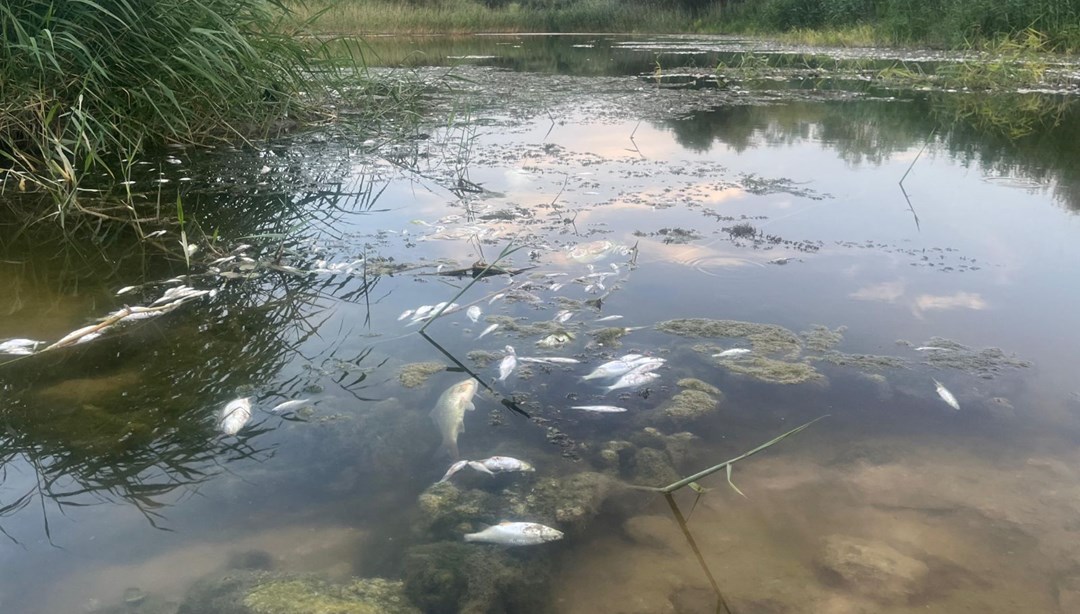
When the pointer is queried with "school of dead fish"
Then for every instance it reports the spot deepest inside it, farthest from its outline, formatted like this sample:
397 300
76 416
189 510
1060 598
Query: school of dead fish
629 371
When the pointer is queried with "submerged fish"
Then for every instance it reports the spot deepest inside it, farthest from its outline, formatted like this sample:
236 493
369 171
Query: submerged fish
516 534
234 416
487 330
633 379
458 466
500 464
732 353
449 414
20 347
508 363
473 313
287 405
946 396
605 409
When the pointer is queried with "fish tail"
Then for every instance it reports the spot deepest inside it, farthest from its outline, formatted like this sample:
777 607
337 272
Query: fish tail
471 537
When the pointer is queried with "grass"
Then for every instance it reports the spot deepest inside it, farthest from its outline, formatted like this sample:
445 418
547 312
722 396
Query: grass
85 86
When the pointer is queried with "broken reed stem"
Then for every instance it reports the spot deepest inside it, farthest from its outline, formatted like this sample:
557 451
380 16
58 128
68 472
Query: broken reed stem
670 488
721 605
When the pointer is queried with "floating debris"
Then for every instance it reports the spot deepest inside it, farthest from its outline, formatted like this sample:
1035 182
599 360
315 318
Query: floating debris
234 416
516 534
556 340
946 396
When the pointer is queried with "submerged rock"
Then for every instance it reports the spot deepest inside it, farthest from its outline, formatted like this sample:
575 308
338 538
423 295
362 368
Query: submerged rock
269 593
455 577
776 371
391 440
652 467
416 374
765 338
697 399
872 568
570 502
448 512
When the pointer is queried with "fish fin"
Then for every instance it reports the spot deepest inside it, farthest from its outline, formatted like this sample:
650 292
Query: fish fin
480 467
469 407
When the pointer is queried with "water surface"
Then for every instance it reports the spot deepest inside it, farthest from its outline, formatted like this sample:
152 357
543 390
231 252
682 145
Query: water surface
115 475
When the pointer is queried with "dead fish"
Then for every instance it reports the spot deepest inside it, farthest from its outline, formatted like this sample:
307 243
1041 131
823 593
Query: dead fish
605 409
563 316
549 360
156 233
125 290
946 396
732 353
500 464
633 379
487 330
234 416
19 347
449 414
508 363
458 466
405 314
496 297
615 368
931 348
555 340
556 287
473 313
608 318
289 405
516 534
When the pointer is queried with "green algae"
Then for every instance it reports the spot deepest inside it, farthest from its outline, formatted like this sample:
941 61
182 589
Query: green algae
863 362
526 328
985 363
446 511
690 405
775 371
692 383
483 358
373 596
821 339
765 338
608 337
652 467
416 374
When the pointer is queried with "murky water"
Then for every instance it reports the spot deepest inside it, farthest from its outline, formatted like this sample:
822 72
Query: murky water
773 201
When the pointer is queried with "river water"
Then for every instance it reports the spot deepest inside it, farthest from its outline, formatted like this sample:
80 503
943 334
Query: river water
763 211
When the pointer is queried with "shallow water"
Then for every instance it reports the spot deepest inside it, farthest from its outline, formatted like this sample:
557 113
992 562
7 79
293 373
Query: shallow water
116 477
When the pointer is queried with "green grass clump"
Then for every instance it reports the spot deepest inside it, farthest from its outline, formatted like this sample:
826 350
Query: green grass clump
86 85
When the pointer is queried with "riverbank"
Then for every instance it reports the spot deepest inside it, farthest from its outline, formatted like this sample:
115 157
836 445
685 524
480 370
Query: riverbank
816 22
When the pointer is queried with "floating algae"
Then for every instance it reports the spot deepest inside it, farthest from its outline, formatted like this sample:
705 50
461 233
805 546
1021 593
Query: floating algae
608 337
417 373
374 596
775 371
863 362
821 339
695 400
524 328
483 358
766 338
985 363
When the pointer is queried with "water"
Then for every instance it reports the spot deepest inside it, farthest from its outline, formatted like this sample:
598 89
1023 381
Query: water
116 477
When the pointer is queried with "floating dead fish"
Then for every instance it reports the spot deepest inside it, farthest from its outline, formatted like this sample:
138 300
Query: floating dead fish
549 360
556 287
487 330
496 297
563 316
234 416
555 340
615 368
633 379
449 414
593 251
930 348
946 396
780 261
473 313
733 352
516 534
125 290
507 364
608 318
405 314
289 405
604 409
156 233
19 347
